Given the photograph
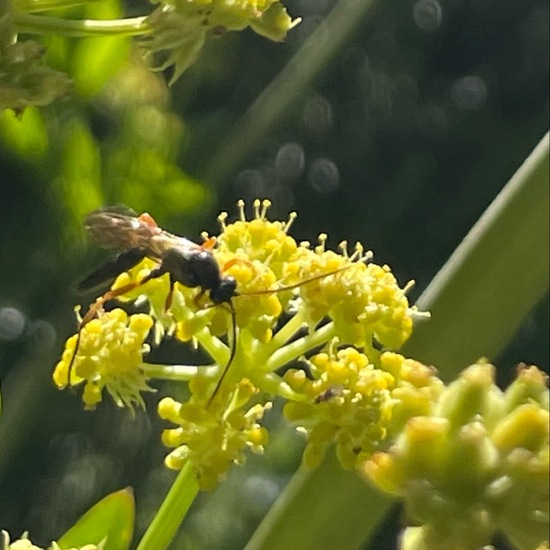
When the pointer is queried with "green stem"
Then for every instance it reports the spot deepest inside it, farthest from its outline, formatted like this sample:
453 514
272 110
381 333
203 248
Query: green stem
299 347
176 372
275 105
166 522
213 346
287 331
40 6
272 383
40 24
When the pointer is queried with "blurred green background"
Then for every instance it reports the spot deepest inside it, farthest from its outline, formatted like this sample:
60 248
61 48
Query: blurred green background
392 123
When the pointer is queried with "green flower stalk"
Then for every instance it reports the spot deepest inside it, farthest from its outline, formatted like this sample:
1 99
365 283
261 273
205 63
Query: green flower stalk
292 299
477 464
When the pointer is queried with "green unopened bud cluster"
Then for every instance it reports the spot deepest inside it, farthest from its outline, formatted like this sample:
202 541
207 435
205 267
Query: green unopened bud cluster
477 464
24 78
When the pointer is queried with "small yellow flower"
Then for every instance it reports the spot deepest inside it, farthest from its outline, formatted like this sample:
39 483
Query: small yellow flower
349 404
180 28
417 387
109 355
21 544
210 439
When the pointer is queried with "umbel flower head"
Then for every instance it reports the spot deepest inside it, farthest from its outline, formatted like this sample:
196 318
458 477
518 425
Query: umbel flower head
24 79
477 464
291 300
180 27
212 439
109 355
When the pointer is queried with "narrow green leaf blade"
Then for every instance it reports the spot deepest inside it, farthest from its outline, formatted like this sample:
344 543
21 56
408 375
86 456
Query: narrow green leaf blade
495 277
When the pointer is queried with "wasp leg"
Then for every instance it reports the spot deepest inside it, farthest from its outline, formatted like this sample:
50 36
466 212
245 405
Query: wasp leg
197 299
147 219
170 295
98 304
209 243
231 263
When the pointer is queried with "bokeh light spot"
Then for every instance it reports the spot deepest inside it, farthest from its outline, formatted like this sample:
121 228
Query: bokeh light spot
12 323
323 175
290 160
428 15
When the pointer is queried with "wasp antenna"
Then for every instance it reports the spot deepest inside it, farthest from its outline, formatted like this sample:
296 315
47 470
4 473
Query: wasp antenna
73 358
231 355
296 285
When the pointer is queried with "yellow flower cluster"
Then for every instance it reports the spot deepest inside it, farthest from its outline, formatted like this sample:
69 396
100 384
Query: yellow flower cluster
349 404
180 27
356 401
477 464
109 355
210 438
292 299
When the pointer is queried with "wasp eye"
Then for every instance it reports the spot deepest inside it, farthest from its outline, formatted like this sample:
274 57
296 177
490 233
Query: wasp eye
224 291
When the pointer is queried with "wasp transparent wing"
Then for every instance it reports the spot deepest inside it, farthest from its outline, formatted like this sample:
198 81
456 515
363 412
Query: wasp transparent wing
108 272
116 231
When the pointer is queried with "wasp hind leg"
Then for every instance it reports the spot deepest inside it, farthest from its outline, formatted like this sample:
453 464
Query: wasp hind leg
98 304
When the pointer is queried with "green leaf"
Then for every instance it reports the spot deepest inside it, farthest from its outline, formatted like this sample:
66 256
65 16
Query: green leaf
111 519
25 134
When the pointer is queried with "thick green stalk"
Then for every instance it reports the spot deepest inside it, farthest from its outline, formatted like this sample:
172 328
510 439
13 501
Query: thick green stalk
41 24
167 521
478 300
493 279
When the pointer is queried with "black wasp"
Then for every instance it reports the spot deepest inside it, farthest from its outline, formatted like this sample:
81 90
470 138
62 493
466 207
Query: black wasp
138 237
188 263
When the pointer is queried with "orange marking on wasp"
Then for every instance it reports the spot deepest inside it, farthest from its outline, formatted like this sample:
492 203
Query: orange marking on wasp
190 264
